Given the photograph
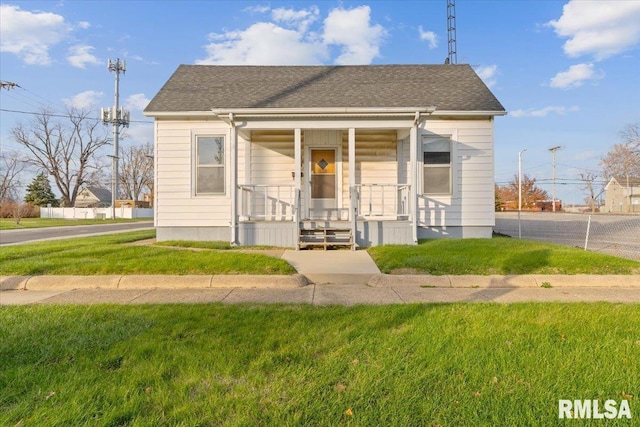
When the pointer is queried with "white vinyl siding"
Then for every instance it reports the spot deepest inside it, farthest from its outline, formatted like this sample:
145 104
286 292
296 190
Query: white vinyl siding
176 203
266 157
471 202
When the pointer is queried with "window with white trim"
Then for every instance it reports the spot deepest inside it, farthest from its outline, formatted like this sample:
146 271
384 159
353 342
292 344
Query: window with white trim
209 162
436 165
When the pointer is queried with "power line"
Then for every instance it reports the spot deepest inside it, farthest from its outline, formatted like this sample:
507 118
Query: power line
64 115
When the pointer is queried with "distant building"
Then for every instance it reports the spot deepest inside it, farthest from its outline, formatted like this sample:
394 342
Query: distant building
93 197
622 195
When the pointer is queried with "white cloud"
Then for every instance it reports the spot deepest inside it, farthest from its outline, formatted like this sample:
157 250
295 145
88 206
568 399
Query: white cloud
84 100
139 132
575 76
79 56
598 28
257 9
544 112
299 19
136 101
352 30
289 40
263 43
429 36
84 25
488 74
30 35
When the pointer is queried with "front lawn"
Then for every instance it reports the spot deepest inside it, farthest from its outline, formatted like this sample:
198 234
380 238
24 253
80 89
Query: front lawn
495 256
415 365
115 254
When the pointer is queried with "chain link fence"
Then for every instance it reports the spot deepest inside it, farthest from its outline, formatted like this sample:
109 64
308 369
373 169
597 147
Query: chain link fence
617 235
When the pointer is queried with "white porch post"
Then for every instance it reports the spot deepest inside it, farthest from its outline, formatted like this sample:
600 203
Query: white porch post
413 180
297 179
353 199
234 182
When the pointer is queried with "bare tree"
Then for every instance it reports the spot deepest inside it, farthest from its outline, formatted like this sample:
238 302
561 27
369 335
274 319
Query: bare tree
136 170
631 136
11 165
624 159
588 178
67 149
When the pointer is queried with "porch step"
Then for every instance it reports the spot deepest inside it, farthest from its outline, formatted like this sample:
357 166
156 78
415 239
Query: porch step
325 238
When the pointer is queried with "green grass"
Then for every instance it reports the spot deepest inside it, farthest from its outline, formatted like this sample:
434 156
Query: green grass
213 245
496 256
111 254
247 365
10 224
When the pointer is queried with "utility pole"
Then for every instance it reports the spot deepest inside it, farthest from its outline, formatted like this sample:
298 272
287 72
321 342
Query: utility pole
553 188
520 191
117 116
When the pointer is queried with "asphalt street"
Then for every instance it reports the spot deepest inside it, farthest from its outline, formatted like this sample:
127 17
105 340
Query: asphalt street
12 237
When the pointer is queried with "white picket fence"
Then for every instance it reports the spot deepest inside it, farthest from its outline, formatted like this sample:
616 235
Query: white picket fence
95 213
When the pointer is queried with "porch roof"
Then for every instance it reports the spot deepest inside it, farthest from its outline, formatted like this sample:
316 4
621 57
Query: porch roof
201 88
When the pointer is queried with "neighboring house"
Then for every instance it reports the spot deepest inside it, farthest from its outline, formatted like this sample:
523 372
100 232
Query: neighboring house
93 197
266 154
621 195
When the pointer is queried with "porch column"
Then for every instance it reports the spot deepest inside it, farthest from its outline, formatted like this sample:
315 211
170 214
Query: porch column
234 181
297 179
413 180
353 194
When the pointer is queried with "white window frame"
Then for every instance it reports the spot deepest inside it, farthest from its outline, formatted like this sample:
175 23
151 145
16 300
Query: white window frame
425 139
197 166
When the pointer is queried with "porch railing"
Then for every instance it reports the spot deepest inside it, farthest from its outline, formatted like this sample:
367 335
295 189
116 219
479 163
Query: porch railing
383 200
267 202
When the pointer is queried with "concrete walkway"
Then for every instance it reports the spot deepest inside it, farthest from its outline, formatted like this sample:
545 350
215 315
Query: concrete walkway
380 289
337 267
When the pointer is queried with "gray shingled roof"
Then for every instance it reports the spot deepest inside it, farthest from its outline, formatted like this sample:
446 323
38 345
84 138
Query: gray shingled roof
203 87
102 194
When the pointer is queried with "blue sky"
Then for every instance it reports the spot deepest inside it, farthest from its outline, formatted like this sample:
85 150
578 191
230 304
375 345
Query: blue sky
568 73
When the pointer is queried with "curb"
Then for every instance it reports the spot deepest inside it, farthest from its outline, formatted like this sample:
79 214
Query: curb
43 283
496 281
46 283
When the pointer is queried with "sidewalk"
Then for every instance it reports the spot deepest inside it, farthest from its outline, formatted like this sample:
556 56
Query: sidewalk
324 277
379 289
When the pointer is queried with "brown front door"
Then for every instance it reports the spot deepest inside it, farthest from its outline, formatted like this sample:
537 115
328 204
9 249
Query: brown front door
323 184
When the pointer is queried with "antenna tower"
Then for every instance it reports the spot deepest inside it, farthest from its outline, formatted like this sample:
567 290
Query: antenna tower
452 58
117 116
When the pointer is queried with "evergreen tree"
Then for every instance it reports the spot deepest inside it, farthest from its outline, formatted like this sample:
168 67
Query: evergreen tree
39 192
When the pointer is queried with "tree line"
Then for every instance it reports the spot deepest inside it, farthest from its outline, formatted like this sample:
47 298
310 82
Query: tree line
69 151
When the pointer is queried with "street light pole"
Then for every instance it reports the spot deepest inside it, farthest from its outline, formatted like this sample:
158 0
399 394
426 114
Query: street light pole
553 188
520 191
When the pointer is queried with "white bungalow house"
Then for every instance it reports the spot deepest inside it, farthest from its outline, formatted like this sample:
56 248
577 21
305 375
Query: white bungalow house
299 155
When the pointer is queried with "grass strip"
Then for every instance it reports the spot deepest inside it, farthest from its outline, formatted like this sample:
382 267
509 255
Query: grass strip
447 364
112 254
495 256
10 223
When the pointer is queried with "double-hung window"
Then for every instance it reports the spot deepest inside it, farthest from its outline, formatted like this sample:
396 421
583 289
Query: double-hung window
209 165
437 171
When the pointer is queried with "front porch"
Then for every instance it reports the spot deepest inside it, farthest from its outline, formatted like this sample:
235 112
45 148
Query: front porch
297 184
